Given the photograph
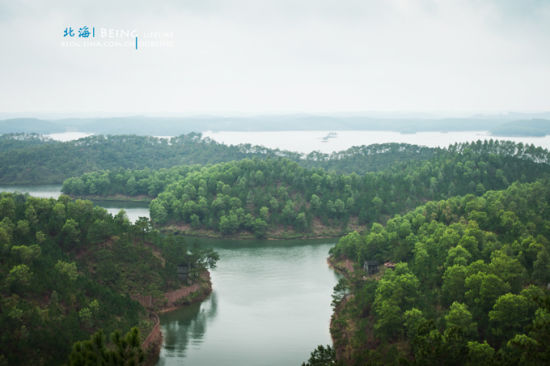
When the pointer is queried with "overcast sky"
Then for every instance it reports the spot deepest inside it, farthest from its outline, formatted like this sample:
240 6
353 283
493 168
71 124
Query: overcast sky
280 56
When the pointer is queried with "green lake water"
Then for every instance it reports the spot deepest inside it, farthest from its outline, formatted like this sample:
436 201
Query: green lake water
270 306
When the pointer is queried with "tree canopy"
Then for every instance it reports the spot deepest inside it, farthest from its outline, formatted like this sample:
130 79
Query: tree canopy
269 196
70 268
467 283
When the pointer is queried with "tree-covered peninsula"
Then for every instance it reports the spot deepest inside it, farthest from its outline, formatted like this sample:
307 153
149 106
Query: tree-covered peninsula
69 269
37 159
282 198
464 283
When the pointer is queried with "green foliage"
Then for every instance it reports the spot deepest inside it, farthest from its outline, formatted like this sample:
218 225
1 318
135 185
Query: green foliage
510 315
67 269
397 292
413 319
123 351
463 263
46 160
19 276
322 356
468 293
459 317
228 197
480 353
340 291
74 271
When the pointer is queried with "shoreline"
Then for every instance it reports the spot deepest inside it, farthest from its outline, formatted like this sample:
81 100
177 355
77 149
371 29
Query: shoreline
343 324
341 328
174 300
185 229
114 198
342 267
209 234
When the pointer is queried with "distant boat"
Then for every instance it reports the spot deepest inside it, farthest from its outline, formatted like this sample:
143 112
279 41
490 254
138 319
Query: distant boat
330 135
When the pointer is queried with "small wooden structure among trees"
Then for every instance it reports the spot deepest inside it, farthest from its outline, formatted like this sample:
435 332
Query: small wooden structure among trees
371 267
183 271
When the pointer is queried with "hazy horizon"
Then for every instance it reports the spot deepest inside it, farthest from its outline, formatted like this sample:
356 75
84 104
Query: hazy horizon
367 114
220 57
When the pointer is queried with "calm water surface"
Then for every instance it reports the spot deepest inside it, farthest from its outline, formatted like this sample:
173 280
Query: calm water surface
134 210
270 306
308 141
68 136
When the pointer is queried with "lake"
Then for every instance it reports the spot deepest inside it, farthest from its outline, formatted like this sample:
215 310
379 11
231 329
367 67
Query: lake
308 141
271 299
270 306
270 303
134 210
68 136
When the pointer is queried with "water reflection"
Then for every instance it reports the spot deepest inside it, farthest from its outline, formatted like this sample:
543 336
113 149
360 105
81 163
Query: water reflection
271 306
186 325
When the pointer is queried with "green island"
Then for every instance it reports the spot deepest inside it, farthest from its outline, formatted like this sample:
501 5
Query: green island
444 252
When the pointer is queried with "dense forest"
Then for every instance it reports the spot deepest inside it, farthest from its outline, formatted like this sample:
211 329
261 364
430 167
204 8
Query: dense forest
465 231
468 288
279 197
32 159
69 269
45 160
35 159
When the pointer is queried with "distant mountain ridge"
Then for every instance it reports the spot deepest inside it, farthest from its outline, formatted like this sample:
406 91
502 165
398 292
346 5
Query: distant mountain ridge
533 127
174 126
27 125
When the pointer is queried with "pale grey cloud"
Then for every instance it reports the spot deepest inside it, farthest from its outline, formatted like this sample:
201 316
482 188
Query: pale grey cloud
280 56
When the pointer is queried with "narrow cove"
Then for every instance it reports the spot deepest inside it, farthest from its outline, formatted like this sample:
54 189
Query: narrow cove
270 303
270 306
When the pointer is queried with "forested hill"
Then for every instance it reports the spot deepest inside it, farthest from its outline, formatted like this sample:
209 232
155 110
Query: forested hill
68 269
22 141
369 158
277 197
35 159
469 285
45 161
376 157
29 159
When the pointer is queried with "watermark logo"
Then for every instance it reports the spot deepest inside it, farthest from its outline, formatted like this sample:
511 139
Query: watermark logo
87 36
83 32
